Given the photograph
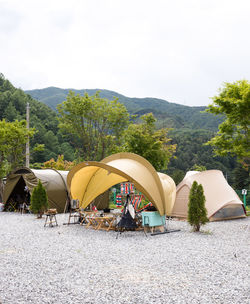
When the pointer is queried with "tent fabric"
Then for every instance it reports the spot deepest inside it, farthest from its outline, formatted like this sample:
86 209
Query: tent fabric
54 182
102 201
89 179
222 202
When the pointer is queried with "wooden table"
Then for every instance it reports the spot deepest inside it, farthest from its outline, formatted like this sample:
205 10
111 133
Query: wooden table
101 222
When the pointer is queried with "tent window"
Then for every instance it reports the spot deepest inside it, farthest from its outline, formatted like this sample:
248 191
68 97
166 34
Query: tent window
230 211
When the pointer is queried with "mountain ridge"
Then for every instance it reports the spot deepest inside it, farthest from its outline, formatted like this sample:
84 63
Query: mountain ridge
167 113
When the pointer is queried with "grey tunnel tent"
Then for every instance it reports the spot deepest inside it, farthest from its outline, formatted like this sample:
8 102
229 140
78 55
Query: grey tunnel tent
222 202
54 182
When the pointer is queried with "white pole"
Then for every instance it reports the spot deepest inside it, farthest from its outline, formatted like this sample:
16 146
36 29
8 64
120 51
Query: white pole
28 140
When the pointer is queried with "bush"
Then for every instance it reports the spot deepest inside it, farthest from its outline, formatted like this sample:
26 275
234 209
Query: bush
197 212
39 200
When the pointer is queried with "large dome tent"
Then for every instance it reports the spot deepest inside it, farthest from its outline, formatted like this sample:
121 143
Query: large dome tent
222 202
53 180
88 180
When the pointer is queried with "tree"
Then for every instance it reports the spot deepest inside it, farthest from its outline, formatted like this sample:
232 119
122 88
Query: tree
152 144
241 178
39 200
198 168
177 176
197 212
13 136
60 164
92 124
234 134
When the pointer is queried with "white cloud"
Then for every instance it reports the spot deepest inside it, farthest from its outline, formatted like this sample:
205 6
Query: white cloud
180 50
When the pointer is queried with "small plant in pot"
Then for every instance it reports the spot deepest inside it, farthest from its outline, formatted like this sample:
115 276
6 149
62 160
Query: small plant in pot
39 200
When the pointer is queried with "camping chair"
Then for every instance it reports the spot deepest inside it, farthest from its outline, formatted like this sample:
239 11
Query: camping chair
12 206
145 207
136 201
74 212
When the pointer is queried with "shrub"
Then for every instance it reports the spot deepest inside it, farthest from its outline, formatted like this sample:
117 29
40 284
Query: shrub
39 200
197 212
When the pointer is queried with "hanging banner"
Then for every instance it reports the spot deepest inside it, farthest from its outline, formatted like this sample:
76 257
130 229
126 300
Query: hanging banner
127 188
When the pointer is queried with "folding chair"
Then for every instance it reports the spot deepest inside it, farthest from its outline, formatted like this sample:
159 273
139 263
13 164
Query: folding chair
136 201
145 207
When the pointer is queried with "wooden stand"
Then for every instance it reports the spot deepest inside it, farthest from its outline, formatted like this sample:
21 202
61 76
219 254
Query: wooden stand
51 216
76 216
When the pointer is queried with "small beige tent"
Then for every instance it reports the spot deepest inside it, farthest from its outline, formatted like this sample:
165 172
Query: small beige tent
54 182
89 179
222 202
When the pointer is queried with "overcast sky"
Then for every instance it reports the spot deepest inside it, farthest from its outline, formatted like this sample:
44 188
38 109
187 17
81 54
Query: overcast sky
178 50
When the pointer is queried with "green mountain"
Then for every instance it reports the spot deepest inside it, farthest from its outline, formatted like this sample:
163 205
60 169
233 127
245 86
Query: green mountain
168 114
13 106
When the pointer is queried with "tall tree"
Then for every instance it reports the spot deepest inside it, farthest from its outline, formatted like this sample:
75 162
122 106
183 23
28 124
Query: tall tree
144 139
94 125
197 212
234 133
13 136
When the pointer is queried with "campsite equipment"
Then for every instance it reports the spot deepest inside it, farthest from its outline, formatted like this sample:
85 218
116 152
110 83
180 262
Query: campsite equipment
152 219
136 201
51 216
89 179
74 212
126 222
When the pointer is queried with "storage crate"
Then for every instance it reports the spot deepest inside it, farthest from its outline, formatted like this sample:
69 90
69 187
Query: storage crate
152 219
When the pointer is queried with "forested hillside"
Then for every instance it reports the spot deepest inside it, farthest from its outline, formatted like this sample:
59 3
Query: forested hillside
13 106
191 129
168 114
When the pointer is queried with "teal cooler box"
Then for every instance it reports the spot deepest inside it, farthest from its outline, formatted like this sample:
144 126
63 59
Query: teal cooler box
152 219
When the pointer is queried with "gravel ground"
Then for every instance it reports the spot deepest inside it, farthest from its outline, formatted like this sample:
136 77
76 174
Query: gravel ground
72 264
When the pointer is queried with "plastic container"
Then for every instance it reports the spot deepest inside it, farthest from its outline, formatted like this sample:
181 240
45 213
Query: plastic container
152 219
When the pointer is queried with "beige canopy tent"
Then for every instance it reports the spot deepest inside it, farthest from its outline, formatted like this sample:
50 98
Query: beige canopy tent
222 202
54 182
89 179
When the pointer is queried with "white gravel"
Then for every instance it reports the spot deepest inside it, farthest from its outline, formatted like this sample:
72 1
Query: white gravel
70 264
